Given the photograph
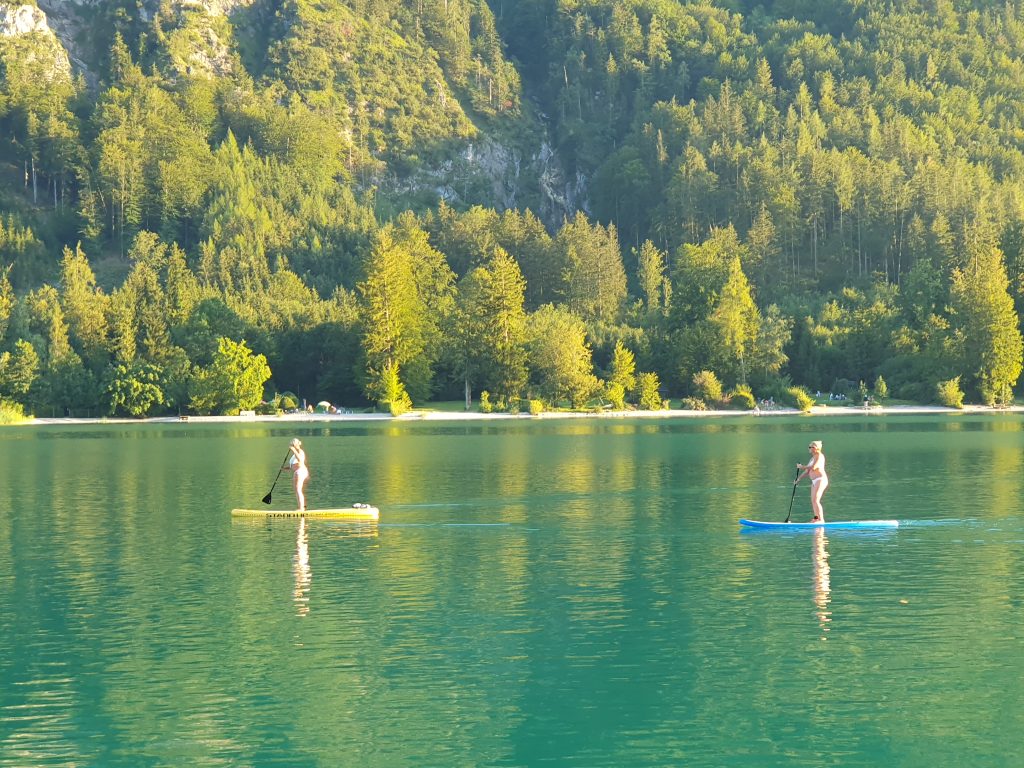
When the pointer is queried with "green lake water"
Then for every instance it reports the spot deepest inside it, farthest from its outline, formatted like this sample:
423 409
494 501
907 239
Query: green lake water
537 593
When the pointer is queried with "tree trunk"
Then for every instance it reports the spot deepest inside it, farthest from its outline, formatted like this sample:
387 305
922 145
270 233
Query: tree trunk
469 396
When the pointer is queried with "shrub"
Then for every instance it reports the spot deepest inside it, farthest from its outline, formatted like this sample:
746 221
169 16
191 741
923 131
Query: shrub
693 404
881 388
707 387
485 402
616 395
743 397
11 412
647 386
949 394
401 404
536 407
993 394
267 409
286 401
800 398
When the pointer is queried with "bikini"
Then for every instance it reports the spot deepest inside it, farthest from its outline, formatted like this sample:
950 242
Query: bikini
299 469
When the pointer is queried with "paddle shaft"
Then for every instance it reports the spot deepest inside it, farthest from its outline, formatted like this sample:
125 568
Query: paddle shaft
790 513
267 498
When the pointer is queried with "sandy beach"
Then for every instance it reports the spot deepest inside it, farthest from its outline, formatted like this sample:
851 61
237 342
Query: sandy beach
427 414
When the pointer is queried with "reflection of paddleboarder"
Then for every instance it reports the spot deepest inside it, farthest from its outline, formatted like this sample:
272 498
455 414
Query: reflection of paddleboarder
822 580
297 466
303 575
815 469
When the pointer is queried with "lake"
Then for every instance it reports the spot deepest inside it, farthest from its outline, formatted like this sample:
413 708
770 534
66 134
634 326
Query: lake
537 592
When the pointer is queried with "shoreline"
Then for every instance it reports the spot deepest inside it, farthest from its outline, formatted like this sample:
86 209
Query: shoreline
432 415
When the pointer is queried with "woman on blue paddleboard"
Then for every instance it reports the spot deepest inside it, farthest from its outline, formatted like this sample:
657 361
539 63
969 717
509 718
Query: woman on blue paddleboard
815 469
297 465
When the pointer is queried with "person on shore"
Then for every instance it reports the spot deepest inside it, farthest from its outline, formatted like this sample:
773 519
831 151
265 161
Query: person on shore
815 469
297 465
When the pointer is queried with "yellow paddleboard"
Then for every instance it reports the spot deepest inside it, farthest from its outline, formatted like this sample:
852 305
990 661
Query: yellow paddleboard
365 512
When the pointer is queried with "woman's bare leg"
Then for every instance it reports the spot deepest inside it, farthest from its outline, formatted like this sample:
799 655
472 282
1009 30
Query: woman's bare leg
817 490
297 483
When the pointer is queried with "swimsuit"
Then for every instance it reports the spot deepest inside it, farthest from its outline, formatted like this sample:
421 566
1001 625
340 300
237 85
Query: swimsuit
299 469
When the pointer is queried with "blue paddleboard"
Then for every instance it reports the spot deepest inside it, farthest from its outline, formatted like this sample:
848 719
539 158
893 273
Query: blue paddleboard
827 525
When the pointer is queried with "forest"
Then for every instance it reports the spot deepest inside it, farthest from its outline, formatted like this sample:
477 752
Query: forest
523 204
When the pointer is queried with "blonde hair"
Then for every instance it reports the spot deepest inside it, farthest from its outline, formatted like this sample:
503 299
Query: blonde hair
296 442
816 444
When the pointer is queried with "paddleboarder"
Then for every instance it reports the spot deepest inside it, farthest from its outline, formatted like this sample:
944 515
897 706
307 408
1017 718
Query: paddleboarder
815 469
297 466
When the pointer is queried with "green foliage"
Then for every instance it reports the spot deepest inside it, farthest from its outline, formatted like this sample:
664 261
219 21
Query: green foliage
985 317
743 397
560 359
267 408
12 413
799 398
134 389
232 382
651 277
881 389
536 407
707 387
693 404
813 191
387 388
485 402
593 276
7 301
18 370
85 307
408 295
208 321
623 369
491 326
647 388
69 386
615 394
949 394
22 253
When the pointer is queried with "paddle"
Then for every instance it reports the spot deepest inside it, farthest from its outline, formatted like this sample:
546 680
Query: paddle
266 499
789 514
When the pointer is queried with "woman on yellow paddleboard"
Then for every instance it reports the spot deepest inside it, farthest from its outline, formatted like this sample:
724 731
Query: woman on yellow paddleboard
815 469
297 465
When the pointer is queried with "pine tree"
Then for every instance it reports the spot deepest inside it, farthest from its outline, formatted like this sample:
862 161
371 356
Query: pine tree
651 276
7 301
393 311
986 319
594 279
493 327
84 305
736 320
623 368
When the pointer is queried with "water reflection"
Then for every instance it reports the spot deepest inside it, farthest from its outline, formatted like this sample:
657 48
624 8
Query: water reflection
303 573
822 581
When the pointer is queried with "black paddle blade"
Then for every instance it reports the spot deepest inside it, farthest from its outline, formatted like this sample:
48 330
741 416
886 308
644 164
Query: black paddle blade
266 499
